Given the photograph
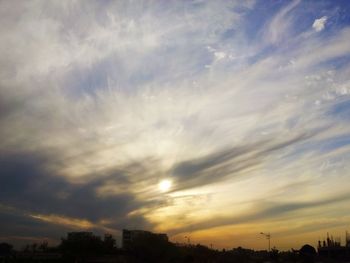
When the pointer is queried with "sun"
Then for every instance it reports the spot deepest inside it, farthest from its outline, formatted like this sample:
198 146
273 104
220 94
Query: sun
165 185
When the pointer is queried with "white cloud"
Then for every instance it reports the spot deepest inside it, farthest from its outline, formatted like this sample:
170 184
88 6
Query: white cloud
319 24
219 55
97 90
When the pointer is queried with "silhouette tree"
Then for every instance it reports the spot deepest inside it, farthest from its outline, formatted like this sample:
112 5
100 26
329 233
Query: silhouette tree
5 249
80 245
307 254
151 248
43 246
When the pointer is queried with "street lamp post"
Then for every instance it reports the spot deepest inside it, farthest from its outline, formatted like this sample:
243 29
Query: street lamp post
268 237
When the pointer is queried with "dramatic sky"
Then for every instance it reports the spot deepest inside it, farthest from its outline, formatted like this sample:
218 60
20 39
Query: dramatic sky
216 120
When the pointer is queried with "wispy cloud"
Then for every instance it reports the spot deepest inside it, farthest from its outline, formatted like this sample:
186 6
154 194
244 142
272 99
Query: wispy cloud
281 23
235 102
263 210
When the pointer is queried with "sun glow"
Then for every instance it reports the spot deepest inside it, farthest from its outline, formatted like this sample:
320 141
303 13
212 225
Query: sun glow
164 185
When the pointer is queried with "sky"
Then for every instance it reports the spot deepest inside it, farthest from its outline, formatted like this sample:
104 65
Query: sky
215 120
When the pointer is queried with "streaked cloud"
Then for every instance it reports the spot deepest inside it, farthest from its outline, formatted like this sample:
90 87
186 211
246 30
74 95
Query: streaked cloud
243 107
279 26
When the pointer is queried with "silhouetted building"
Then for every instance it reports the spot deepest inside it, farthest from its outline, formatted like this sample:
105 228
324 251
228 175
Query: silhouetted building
130 236
332 248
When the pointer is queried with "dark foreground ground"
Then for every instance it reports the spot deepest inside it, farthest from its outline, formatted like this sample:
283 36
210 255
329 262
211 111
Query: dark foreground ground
154 253
85 247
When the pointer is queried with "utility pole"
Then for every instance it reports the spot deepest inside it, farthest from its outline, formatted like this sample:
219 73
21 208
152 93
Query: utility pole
268 237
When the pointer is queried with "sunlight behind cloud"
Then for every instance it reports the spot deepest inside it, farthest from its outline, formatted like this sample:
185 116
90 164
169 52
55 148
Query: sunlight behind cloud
165 185
179 116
